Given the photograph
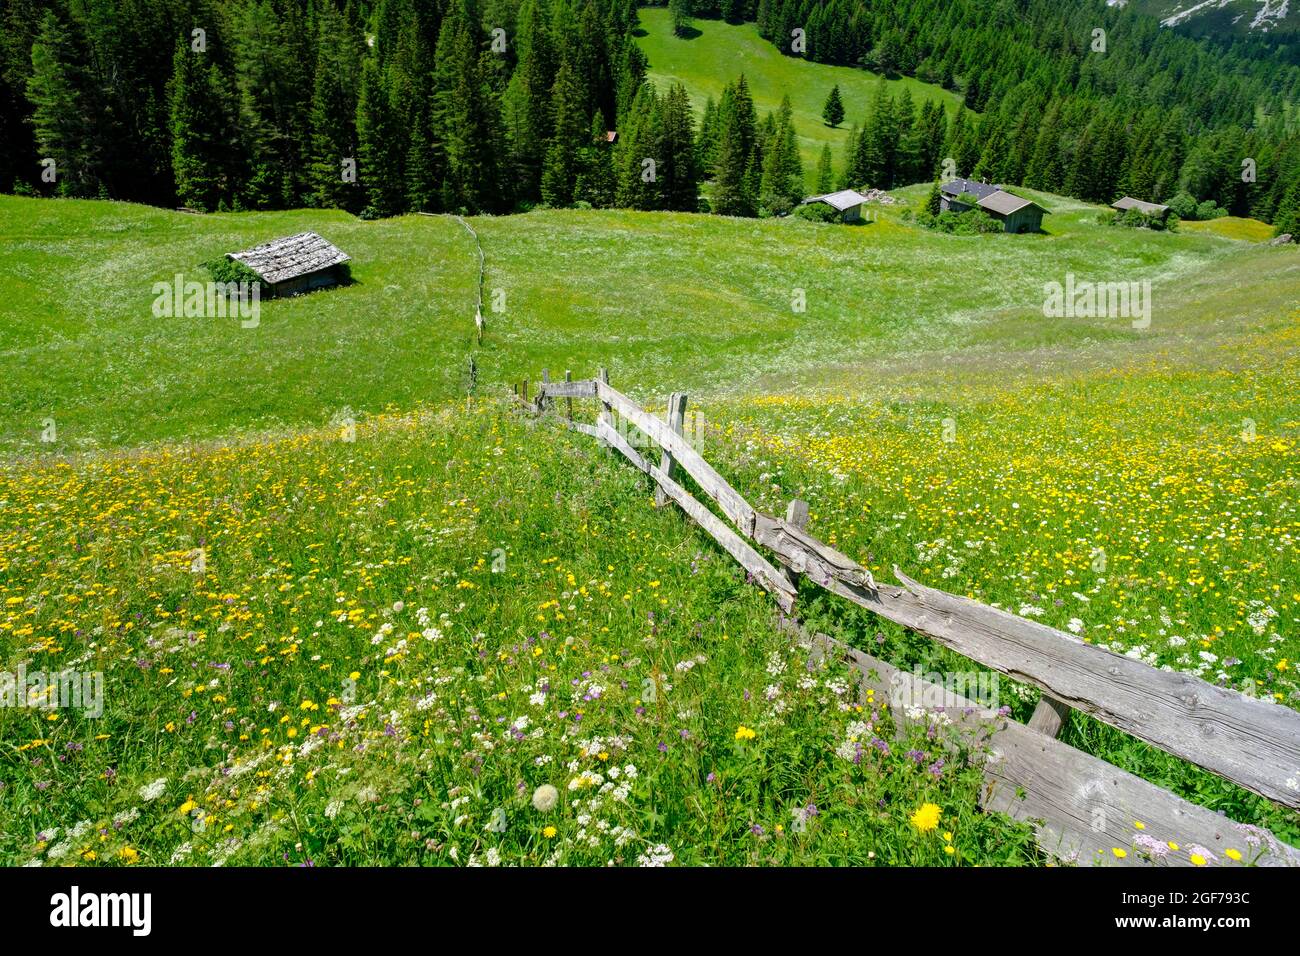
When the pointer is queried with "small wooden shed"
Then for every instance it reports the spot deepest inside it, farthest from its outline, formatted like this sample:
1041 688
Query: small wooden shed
847 202
1016 213
1146 208
294 264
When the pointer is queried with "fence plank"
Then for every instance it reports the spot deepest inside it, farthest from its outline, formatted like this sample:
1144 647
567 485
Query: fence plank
753 562
606 415
585 388
734 506
1082 807
806 554
1250 742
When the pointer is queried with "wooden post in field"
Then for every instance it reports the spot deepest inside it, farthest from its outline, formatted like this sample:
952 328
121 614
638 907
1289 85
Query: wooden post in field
676 419
606 410
1049 716
568 377
796 514
523 393
542 400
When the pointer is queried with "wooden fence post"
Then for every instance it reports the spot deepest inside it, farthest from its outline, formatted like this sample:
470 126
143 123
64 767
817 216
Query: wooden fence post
796 514
568 377
676 419
542 400
606 410
1049 716
523 392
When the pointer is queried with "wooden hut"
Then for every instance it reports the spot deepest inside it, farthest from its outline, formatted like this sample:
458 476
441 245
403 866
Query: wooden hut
1016 213
1146 208
295 264
847 202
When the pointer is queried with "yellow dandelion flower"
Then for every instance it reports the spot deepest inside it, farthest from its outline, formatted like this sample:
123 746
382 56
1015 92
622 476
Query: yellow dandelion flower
1232 854
926 818
744 733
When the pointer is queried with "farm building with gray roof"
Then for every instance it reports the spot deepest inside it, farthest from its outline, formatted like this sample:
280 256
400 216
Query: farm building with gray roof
1016 213
294 264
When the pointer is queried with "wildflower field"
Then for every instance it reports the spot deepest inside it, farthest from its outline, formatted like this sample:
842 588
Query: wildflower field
453 640
439 632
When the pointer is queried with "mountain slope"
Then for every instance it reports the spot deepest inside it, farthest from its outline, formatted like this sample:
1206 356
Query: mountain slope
1224 17
721 51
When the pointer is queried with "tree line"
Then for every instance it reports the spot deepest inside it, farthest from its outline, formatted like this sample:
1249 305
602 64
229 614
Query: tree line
387 106
376 107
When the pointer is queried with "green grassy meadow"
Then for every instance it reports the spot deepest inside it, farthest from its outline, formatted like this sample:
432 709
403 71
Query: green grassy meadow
664 300
694 63
376 643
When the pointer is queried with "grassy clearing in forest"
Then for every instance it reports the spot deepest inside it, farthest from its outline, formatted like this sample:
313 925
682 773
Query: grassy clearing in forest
694 62
664 299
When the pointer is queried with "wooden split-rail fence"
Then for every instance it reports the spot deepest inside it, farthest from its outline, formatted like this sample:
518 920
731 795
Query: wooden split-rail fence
1082 807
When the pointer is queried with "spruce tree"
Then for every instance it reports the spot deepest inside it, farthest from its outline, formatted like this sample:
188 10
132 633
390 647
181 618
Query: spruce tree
65 106
680 11
596 184
677 174
560 171
333 114
934 201
467 117
825 175
381 153
528 97
638 142
197 133
833 110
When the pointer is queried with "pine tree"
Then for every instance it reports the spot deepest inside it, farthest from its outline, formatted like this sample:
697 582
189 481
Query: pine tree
199 151
833 110
596 183
333 113
467 117
680 11
738 167
560 171
677 174
706 143
381 153
275 87
638 142
65 106
825 175
528 97
782 180
934 201
1287 218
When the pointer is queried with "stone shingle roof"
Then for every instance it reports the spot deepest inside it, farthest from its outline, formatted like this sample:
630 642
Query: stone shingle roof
290 257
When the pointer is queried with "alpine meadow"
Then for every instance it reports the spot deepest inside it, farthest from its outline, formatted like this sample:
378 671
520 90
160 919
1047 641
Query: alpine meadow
729 434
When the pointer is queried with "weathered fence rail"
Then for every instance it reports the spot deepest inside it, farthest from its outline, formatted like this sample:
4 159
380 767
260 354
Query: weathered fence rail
1082 806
